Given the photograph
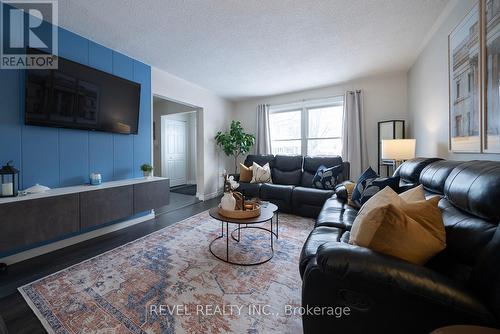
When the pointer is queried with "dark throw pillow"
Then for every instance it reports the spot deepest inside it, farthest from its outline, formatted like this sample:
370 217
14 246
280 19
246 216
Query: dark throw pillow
373 186
326 178
369 173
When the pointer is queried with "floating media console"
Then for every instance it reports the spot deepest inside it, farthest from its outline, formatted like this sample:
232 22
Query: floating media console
32 220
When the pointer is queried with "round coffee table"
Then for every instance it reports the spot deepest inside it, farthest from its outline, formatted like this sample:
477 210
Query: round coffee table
267 212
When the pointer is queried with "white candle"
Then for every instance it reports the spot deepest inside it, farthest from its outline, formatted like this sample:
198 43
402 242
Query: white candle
7 189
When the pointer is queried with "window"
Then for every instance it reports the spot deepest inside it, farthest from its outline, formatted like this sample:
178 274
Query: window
325 130
286 132
308 128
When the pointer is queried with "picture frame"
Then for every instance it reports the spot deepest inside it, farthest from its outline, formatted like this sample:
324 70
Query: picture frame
490 18
465 79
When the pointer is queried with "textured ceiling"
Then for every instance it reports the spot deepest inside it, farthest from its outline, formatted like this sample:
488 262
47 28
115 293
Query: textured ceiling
245 48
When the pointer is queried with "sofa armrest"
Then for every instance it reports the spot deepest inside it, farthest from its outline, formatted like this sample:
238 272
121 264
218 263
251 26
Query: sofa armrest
374 286
341 192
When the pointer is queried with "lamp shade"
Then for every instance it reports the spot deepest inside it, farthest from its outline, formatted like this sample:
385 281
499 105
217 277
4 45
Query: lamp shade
398 149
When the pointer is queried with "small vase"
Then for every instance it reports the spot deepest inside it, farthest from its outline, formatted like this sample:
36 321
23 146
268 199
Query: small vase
228 201
147 174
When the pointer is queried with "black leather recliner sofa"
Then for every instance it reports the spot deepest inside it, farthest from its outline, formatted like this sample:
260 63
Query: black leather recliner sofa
292 177
461 285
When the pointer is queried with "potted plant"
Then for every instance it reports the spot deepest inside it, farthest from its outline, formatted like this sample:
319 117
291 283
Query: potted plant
235 142
146 170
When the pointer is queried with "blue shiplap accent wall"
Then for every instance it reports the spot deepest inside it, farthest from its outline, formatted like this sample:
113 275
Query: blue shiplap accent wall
64 157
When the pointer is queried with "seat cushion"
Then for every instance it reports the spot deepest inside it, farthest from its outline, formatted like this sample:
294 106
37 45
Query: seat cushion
318 236
307 202
250 189
312 196
278 194
336 214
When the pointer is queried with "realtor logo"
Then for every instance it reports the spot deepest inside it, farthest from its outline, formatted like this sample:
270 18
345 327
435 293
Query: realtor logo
28 34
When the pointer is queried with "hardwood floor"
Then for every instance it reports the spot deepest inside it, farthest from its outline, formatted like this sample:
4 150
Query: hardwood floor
16 313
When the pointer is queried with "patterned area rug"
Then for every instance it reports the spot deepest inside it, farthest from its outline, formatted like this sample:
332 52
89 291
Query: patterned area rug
169 282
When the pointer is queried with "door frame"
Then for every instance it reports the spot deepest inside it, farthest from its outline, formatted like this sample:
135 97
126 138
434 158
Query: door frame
199 143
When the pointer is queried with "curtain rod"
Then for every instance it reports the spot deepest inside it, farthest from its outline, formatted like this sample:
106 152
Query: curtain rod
305 100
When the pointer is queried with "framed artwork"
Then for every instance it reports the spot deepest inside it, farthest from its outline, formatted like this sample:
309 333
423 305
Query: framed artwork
491 100
465 81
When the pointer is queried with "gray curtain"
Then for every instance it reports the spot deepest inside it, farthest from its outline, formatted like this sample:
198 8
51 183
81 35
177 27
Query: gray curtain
354 147
263 133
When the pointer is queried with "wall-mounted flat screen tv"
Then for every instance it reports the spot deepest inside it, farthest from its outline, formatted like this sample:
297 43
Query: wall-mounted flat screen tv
76 96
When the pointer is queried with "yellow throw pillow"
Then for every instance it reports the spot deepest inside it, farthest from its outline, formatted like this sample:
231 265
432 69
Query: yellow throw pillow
427 214
413 194
369 217
349 187
246 173
372 218
412 231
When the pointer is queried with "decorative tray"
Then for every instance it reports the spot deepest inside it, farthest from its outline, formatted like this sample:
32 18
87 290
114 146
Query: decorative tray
252 210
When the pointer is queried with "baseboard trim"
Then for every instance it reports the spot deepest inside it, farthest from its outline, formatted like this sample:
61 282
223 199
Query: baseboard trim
206 197
34 252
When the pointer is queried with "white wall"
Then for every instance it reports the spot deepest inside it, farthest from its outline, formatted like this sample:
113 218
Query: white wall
384 99
215 116
428 92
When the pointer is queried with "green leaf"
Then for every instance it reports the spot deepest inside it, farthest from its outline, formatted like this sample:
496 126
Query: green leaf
235 141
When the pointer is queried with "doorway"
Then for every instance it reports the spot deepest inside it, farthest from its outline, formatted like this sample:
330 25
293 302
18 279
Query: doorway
174 147
175 140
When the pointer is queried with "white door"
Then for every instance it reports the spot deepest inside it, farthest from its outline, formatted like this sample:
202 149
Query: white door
173 146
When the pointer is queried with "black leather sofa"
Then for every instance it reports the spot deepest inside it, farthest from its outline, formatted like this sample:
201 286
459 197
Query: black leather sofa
461 285
292 176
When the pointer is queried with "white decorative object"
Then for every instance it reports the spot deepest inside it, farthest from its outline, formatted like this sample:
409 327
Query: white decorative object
7 189
261 174
228 202
37 189
234 185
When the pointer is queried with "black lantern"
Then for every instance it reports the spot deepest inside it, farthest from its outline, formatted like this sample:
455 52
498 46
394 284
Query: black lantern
9 181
